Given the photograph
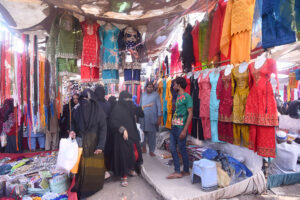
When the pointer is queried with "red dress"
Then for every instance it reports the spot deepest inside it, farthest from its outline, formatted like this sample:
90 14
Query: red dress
225 128
261 109
217 25
195 34
90 59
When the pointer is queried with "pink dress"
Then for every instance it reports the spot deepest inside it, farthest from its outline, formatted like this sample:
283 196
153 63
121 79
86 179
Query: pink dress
204 96
175 60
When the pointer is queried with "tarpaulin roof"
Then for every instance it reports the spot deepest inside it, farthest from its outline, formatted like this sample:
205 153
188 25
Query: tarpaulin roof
26 14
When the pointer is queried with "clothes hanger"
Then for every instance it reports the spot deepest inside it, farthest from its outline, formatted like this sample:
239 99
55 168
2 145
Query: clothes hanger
243 67
260 61
228 70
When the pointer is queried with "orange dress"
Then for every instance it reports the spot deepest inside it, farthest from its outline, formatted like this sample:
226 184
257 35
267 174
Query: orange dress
237 29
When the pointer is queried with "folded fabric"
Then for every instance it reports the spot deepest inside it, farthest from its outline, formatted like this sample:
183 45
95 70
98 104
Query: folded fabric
5 169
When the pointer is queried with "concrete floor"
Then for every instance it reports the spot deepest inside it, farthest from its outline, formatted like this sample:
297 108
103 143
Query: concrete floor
138 189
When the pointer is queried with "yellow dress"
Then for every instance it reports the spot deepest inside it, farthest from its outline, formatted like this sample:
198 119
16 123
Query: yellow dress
169 98
160 92
237 29
240 91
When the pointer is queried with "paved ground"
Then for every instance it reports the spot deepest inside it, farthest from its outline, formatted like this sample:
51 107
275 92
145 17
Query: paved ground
138 189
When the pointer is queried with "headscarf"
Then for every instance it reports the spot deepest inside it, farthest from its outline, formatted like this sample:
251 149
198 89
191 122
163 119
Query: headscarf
113 101
100 93
125 99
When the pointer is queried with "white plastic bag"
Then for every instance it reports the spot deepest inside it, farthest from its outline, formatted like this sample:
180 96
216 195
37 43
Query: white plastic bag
141 132
3 139
67 155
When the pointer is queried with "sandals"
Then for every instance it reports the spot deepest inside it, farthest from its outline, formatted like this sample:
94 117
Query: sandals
124 182
132 174
174 176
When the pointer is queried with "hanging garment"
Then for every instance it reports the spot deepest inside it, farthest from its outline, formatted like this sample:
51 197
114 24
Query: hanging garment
109 53
256 36
169 99
90 58
197 130
278 23
214 105
204 96
204 39
68 46
160 92
129 42
217 25
237 29
240 91
175 60
261 106
187 49
164 105
197 53
225 129
261 109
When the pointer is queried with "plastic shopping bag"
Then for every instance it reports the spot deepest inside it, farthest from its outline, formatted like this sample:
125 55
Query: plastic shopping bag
141 132
67 155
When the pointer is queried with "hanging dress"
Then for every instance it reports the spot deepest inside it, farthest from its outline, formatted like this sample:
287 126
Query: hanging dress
175 60
67 45
109 53
261 109
225 128
90 59
237 29
204 96
240 91
214 106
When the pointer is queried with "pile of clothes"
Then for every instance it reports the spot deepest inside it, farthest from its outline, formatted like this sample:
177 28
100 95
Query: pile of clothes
33 178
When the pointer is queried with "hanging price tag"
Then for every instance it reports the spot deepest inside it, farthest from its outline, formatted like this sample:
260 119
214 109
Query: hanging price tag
128 58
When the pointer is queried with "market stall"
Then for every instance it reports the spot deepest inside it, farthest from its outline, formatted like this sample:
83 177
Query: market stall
237 64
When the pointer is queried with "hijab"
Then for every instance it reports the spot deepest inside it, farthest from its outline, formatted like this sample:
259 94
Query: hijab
113 101
100 93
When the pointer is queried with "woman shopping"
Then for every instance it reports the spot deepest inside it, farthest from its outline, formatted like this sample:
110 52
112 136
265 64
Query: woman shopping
89 129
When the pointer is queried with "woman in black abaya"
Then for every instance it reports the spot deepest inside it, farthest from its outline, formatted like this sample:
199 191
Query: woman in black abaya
127 149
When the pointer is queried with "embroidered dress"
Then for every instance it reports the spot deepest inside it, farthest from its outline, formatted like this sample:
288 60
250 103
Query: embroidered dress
214 106
90 52
237 29
109 53
225 129
175 59
240 91
261 109
204 96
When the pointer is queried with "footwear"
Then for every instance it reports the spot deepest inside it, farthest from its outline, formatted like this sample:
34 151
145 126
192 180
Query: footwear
152 154
174 175
124 182
183 173
132 174
144 150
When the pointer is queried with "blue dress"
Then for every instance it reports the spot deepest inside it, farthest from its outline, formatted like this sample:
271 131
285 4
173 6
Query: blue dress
278 22
214 106
109 53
